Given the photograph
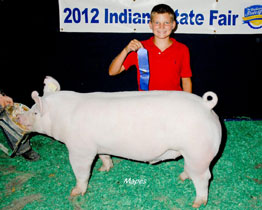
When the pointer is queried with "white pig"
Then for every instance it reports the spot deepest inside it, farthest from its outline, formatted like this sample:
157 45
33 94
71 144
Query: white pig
144 126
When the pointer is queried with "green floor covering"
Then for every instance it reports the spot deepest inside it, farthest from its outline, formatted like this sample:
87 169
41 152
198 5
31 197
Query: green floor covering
46 184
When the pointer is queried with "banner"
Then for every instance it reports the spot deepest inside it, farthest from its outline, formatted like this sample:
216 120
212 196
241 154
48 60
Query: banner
193 16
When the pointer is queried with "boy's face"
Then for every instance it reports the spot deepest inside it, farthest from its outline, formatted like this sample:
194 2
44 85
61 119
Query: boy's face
162 25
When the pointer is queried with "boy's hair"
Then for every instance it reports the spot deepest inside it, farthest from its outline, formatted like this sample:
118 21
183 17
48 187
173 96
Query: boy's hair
163 8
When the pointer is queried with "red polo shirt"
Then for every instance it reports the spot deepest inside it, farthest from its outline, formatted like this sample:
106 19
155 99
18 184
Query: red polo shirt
166 68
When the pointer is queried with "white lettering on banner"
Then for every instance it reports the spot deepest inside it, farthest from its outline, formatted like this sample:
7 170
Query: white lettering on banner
193 16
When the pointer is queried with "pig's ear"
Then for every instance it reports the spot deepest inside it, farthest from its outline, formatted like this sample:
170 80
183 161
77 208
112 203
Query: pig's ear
38 101
51 85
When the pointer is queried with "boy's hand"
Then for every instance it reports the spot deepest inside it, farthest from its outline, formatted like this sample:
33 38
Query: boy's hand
5 100
134 45
116 67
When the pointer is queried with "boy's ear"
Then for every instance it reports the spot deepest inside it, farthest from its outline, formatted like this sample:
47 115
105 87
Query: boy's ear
174 24
150 24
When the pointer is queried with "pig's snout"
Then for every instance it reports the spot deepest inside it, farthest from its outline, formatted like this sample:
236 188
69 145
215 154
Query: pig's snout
19 119
23 121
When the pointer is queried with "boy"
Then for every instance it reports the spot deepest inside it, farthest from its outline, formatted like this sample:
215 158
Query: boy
169 60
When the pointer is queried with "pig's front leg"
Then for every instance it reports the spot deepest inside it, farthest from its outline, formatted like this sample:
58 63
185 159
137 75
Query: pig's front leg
81 165
107 163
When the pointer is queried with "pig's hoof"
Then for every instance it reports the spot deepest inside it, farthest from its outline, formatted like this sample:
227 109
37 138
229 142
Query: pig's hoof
198 203
107 163
105 168
76 191
183 176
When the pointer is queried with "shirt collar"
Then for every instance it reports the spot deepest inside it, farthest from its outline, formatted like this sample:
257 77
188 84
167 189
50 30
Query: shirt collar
151 43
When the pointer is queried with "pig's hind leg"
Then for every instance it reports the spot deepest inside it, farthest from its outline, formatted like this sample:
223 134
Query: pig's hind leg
81 165
197 170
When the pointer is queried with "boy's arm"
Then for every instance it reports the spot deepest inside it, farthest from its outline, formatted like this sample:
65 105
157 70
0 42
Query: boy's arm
116 67
187 84
5 100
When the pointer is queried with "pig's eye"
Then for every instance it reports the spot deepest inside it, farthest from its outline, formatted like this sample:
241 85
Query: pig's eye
35 113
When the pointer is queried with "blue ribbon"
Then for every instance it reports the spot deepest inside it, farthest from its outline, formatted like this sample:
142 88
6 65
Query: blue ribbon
143 68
